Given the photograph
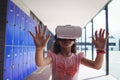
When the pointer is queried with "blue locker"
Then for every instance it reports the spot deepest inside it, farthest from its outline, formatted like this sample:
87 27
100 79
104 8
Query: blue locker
20 67
8 63
15 63
26 30
18 15
33 59
29 60
9 34
16 36
25 62
25 37
25 40
11 12
21 33
10 24
33 30
21 29
29 28
35 67
17 25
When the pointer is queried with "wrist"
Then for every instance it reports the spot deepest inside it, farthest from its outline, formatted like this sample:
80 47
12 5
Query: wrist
101 51
39 49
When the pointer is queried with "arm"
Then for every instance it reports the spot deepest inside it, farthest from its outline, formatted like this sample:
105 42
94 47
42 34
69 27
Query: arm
100 44
97 64
40 41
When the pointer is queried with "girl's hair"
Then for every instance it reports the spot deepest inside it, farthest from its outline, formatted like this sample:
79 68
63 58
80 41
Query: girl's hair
57 48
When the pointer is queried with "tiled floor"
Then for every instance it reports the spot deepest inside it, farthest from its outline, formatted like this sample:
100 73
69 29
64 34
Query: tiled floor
85 73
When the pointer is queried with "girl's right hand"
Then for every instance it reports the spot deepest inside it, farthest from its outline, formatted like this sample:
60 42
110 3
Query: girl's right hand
40 38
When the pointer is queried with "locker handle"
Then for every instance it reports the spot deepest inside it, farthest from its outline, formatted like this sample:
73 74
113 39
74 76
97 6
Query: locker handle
13 66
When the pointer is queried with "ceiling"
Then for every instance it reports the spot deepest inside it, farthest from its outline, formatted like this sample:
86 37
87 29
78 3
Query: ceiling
64 12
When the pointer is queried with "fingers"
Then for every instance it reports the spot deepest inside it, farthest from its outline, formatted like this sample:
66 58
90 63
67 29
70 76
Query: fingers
93 40
45 29
101 32
31 34
36 30
47 39
39 28
96 35
102 35
107 35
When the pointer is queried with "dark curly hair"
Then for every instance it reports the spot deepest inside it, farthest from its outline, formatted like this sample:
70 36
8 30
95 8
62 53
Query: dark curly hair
57 48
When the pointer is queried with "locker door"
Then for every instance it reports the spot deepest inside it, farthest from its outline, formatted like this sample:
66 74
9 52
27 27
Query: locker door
21 36
11 13
26 29
33 59
8 63
32 30
17 25
15 63
34 67
10 24
25 41
9 34
29 60
20 67
22 28
25 62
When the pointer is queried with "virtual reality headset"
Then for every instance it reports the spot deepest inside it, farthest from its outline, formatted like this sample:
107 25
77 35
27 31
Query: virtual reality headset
68 32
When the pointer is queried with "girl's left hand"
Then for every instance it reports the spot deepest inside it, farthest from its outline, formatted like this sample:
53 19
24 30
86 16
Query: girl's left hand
99 40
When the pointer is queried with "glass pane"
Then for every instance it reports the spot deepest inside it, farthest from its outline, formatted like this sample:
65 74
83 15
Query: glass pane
89 41
99 22
114 39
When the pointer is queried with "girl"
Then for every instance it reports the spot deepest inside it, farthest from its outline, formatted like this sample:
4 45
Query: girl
65 62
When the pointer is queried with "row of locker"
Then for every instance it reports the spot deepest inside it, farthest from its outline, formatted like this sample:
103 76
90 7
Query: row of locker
19 56
17 36
19 62
19 53
18 25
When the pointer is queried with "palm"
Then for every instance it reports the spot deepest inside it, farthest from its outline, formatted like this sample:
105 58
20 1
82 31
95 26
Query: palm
40 39
99 40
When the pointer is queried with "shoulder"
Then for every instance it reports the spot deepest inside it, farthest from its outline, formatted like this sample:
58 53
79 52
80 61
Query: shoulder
51 54
80 54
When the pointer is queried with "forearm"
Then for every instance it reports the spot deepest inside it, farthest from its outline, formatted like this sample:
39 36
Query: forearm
98 61
96 64
39 59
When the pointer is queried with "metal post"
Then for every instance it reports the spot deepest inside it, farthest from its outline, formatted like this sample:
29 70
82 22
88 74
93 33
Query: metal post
85 40
81 43
92 42
107 46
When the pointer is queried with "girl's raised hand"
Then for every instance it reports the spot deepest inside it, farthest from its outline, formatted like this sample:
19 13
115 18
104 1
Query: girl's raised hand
99 40
40 38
